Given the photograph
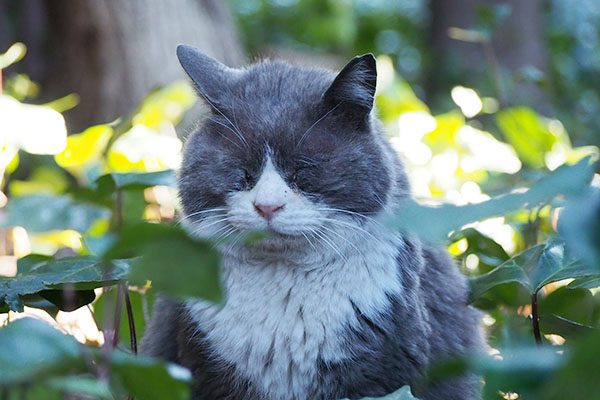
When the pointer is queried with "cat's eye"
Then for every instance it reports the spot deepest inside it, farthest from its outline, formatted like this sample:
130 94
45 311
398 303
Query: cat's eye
247 177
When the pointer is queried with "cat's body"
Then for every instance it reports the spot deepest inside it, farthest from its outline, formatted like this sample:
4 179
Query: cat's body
333 305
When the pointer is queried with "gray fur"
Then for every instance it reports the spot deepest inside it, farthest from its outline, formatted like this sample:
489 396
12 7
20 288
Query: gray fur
325 142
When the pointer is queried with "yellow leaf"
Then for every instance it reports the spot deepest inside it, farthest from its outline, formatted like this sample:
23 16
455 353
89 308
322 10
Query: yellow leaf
84 148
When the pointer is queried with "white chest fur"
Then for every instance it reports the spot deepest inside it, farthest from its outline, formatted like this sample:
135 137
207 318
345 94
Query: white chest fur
281 316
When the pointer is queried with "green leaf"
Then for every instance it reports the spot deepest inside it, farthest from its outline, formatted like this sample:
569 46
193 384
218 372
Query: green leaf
510 271
561 326
522 370
486 248
588 282
579 224
147 379
40 213
80 385
37 350
40 353
175 263
566 180
403 393
528 133
107 184
68 299
555 264
74 273
533 268
579 377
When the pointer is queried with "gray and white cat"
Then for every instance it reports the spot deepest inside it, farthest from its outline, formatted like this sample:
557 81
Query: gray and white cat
331 305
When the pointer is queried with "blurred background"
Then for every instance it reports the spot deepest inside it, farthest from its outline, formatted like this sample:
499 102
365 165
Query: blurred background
479 97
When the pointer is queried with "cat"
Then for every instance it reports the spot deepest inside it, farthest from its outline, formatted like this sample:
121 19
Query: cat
331 304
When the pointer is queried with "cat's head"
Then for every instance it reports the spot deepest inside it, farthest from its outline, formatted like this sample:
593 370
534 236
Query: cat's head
291 150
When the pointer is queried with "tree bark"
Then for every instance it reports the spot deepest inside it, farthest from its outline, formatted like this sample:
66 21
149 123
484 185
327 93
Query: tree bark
113 52
517 42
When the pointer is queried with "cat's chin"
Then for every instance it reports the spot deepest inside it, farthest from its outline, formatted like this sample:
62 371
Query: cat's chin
271 241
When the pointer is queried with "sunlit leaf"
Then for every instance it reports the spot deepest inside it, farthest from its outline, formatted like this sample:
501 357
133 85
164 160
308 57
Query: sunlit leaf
35 129
165 104
142 149
487 249
42 181
84 148
12 55
443 137
528 133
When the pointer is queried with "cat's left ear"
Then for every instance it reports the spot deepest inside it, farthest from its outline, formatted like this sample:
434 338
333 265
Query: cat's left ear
354 87
210 76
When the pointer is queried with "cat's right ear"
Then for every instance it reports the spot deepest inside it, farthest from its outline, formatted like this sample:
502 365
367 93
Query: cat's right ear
354 87
210 76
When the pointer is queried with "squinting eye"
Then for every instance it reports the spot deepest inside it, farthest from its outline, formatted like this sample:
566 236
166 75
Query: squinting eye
247 177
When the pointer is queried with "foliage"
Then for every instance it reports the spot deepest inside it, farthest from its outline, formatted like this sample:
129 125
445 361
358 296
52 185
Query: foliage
518 213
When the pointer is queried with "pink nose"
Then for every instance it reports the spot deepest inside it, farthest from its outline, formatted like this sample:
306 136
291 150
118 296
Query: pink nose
267 211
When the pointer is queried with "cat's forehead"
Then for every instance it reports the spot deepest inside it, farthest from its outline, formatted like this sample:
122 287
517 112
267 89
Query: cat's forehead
279 85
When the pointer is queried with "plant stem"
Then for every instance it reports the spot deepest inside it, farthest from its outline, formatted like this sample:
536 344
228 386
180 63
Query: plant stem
132 334
117 318
535 319
119 209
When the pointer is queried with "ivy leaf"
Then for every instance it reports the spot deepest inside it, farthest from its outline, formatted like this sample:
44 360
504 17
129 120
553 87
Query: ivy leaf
147 379
587 282
42 213
566 180
109 183
550 323
43 355
533 268
36 350
579 224
38 274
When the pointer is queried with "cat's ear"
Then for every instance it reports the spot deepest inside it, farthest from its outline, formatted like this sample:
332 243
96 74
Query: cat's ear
354 87
210 76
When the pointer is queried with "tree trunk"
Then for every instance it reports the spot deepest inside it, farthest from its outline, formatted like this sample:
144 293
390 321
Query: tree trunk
518 42
113 52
